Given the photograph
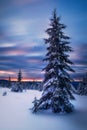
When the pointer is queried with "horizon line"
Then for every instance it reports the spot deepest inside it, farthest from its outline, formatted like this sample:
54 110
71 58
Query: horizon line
24 79
32 79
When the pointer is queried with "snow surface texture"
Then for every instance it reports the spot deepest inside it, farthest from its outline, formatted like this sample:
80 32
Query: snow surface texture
15 113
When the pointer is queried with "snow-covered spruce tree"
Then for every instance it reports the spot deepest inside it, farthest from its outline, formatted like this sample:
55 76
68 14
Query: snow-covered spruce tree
57 81
82 88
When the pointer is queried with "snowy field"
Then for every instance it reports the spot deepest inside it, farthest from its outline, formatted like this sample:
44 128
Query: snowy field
15 113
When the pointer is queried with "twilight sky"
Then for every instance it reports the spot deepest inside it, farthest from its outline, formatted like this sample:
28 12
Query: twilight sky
22 29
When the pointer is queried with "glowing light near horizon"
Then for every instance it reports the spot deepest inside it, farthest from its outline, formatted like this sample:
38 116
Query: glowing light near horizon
27 79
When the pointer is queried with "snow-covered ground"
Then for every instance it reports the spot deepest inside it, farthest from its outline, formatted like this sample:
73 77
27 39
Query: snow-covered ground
16 115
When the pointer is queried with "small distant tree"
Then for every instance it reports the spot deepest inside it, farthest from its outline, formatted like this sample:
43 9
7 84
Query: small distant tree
57 81
85 79
18 86
19 76
9 82
82 88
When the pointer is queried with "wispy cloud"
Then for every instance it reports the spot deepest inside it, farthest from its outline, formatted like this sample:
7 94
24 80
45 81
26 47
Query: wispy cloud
22 29
81 54
79 57
23 2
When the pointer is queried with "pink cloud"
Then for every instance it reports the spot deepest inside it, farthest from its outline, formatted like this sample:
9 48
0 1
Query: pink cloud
15 52
2 72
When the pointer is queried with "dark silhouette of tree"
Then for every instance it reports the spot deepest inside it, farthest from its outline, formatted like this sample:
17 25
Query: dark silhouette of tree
19 76
9 82
18 86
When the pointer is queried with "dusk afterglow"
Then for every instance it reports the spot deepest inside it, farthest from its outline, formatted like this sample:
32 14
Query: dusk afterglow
22 30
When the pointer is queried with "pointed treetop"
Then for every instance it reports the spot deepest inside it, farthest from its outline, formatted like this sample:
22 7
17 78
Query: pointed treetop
55 15
54 12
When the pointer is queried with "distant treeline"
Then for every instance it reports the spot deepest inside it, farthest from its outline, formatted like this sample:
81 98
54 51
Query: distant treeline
36 85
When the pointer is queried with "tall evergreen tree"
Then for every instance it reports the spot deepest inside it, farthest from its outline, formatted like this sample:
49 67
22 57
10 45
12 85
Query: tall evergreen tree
57 81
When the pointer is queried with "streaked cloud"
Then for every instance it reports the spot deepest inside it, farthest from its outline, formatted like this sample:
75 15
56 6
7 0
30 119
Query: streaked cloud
23 2
22 29
6 73
6 44
81 54
79 57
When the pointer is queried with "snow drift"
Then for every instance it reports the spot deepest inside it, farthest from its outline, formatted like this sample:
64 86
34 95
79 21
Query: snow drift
15 113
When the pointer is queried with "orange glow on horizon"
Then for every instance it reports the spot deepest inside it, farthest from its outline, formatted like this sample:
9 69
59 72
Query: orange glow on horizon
33 79
25 79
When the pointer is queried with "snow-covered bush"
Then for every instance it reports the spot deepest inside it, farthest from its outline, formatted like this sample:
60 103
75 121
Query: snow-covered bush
82 88
17 87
